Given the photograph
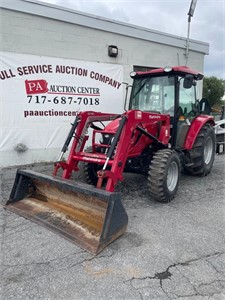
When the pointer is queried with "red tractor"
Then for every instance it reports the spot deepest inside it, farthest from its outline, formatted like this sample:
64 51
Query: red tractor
166 129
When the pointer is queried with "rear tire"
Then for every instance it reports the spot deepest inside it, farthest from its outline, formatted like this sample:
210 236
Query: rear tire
203 152
164 175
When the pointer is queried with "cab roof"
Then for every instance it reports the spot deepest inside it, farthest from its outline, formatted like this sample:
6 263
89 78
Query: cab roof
179 70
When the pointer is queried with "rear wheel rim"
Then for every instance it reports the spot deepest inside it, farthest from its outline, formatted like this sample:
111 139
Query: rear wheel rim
172 176
208 151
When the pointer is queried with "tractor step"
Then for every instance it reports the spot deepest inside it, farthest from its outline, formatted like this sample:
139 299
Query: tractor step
189 164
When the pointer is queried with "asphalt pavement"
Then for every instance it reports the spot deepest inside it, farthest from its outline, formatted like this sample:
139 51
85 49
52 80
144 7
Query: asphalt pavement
170 251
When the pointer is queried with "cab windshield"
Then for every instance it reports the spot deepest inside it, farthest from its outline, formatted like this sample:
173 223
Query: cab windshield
153 94
157 94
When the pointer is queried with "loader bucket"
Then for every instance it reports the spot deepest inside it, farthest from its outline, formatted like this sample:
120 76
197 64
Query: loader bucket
87 216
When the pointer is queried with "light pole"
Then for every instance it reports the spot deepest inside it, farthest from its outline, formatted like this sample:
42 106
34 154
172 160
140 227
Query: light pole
190 14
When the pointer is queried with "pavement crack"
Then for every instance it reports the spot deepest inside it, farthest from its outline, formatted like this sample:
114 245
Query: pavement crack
136 289
167 274
92 258
204 257
196 293
158 276
47 262
212 282
212 265
219 294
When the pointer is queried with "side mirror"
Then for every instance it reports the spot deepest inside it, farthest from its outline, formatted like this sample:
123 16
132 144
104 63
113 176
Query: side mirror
205 107
188 81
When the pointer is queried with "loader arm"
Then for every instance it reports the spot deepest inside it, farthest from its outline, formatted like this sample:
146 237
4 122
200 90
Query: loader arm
85 120
113 161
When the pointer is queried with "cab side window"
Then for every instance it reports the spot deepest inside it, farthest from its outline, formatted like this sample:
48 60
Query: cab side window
187 98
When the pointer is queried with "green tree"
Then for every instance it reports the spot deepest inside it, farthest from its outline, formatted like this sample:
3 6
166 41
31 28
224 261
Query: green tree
213 90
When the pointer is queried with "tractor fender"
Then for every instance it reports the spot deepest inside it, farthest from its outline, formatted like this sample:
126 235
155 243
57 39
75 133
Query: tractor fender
194 129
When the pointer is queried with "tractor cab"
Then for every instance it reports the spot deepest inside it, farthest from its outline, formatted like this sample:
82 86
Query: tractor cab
168 91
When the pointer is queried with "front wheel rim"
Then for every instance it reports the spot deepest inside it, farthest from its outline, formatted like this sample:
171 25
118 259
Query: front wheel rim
208 151
172 176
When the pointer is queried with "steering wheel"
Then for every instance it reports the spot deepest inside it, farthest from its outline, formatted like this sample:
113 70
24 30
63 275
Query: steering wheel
191 114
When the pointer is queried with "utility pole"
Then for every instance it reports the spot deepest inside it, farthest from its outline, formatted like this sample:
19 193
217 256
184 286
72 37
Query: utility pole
190 15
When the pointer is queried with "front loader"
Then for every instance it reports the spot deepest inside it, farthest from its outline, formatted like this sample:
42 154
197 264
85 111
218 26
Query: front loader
165 130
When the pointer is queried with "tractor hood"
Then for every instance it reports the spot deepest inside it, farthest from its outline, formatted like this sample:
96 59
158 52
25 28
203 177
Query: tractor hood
113 125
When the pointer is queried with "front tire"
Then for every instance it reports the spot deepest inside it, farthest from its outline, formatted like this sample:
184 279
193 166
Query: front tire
90 170
203 152
164 175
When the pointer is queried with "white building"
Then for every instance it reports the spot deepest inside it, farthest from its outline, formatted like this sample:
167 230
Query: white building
52 58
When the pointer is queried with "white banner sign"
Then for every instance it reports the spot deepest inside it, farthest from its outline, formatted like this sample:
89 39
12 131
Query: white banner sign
41 95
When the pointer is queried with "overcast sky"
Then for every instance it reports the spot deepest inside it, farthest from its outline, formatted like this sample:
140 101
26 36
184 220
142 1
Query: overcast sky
170 16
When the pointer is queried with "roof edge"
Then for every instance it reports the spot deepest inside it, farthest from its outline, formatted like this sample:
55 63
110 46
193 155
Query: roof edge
101 23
